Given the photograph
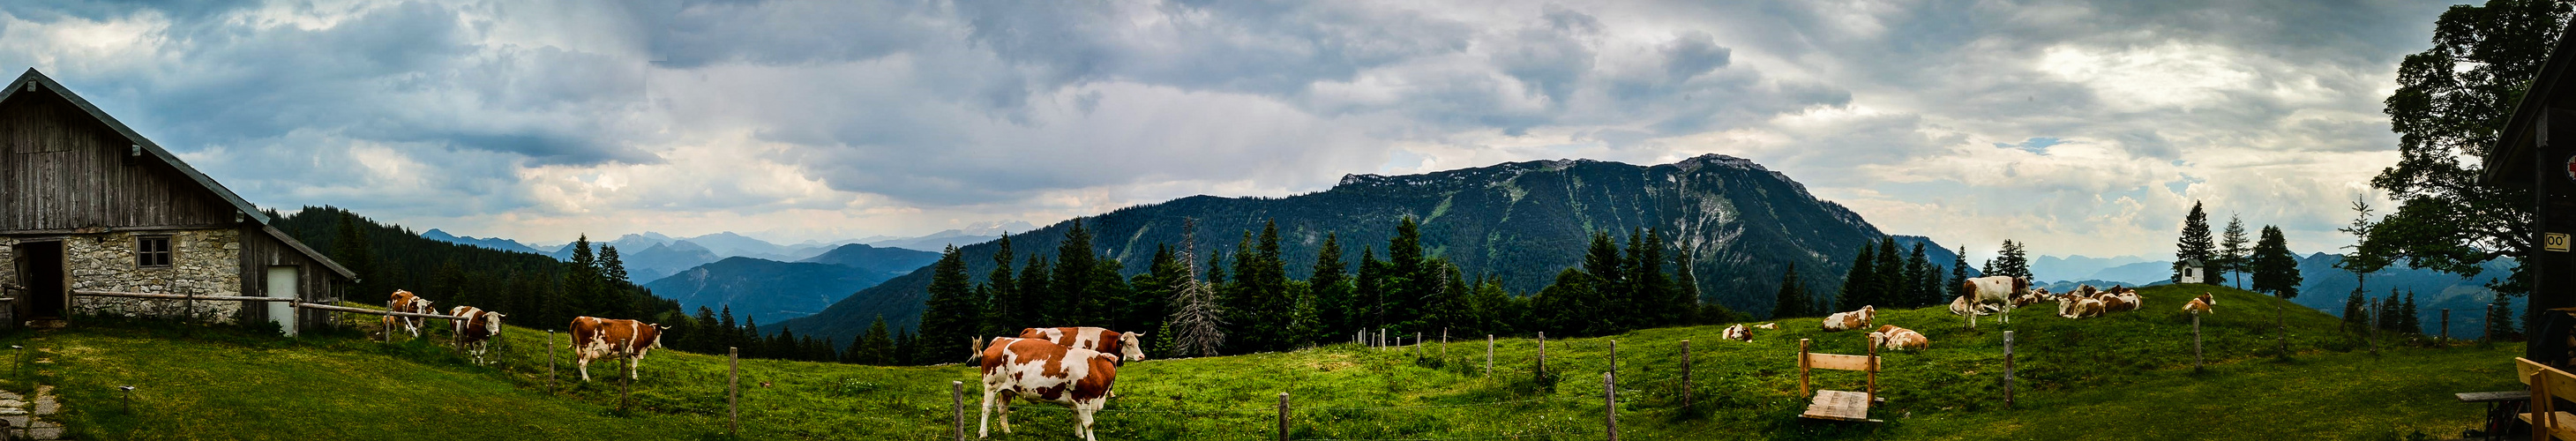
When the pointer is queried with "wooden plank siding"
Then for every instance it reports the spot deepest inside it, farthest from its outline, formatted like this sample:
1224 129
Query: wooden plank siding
63 170
261 251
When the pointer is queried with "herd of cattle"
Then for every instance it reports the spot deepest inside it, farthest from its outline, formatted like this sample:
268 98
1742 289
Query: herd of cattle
1988 296
472 329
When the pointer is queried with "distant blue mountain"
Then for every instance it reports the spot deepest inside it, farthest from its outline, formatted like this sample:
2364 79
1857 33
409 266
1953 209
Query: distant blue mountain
490 243
767 290
888 261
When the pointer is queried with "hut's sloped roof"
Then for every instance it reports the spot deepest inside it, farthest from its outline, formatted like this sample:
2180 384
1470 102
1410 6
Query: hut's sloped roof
33 79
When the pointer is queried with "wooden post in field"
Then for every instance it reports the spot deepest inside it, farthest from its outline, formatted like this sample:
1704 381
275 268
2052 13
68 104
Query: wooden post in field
2195 341
1542 354
957 408
1686 375
1489 355
2446 325
1417 344
2008 368
550 356
1283 416
1614 359
1444 344
733 390
629 365
1610 404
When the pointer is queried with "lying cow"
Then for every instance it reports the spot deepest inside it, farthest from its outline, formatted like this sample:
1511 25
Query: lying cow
2076 307
1738 333
475 328
1845 321
2035 296
1128 345
596 338
2120 302
1998 290
2200 305
1042 371
1772 325
1894 338
405 301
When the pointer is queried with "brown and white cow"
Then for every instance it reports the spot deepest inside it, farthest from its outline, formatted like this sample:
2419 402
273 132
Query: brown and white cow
2200 305
473 327
1997 290
1894 338
2120 302
2035 296
1772 325
1964 307
1039 370
1128 345
596 338
1738 332
2076 307
1845 321
405 301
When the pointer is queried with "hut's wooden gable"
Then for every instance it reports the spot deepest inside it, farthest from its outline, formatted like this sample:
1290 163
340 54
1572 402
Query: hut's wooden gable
63 170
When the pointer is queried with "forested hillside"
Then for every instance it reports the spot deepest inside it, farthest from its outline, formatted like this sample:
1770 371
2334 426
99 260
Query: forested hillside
534 290
1516 225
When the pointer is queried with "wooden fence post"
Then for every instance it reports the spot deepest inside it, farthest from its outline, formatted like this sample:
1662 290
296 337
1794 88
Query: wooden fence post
1444 344
1489 355
2446 325
1614 359
1542 354
1686 375
2008 369
629 365
550 356
733 390
1610 404
1283 416
957 408
2195 342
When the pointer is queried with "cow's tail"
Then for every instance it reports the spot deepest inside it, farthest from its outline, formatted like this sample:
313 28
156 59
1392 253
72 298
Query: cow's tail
976 358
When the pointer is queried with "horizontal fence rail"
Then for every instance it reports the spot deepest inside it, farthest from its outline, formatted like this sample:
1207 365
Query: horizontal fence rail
296 302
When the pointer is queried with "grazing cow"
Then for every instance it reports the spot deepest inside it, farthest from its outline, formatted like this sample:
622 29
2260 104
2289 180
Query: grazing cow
596 338
404 301
1895 339
1964 307
473 327
2200 305
1845 321
1128 345
1772 325
1997 290
1738 333
2075 307
1043 371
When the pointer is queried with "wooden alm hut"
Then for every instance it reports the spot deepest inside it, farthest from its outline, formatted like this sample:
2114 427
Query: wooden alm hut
87 204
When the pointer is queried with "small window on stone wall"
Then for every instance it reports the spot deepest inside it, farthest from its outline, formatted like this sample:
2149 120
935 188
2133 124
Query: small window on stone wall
152 251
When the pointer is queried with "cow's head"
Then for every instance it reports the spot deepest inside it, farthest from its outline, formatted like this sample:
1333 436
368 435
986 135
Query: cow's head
399 299
1131 346
492 323
1886 329
657 334
2206 298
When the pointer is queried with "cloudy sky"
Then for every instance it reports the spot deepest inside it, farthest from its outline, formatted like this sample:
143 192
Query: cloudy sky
2079 128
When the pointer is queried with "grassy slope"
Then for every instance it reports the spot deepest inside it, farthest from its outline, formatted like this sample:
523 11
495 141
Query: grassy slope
2124 376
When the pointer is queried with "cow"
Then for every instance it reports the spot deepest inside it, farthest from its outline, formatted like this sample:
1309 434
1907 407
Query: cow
1738 332
596 338
2035 296
1043 371
2087 290
1772 325
1996 289
1845 321
1964 307
405 301
2200 305
1895 339
473 327
2120 302
1128 345
2076 307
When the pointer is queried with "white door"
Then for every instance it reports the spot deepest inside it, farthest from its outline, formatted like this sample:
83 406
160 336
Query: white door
281 285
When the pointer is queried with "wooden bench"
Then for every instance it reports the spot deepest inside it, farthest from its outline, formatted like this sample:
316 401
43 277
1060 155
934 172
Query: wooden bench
2547 385
1835 404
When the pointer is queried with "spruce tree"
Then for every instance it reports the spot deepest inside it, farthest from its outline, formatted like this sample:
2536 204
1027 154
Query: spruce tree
1605 264
1893 285
1922 281
1650 293
1074 262
2232 250
2195 243
1958 275
1004 314
877 346
1859 284
2409 322
1368 307
2276 271
949 316
1332 288
1035 304
2014 261
581 283
1414 279
1792 299
612 272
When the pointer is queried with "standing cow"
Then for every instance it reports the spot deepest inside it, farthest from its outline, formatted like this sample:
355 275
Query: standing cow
595 338
1042 371
1128 346
405 301
1998 290
473 327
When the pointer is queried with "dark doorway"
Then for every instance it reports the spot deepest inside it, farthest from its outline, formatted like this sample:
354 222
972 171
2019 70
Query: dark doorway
40 269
